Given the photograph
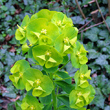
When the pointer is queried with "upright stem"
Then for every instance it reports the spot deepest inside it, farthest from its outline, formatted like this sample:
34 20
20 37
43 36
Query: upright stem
53 94
109 6
80 9
102 15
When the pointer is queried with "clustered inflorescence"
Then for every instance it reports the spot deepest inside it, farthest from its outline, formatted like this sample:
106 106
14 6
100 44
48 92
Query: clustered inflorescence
48 37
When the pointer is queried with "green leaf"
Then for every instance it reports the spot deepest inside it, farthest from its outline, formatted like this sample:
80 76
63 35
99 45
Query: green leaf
93 54
78 20
65 86
65 59
103 34
107 68
1 68
50 70
107 108
64 75
48 107
101 60
25 21
99 99
4 8
108 21
46 100
18 105
10 106
11 92
64 99
92 34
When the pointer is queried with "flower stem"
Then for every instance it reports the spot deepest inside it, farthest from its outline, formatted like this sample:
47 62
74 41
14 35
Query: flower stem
53 94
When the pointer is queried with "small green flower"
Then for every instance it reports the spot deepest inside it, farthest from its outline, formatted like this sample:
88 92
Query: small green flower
47 56
81 97
30 103
61 21
18 70
82 76
42 29
66 41
78 57
21 31
41 84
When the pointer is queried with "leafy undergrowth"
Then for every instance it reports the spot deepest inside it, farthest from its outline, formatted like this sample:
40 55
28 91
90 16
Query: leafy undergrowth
96 41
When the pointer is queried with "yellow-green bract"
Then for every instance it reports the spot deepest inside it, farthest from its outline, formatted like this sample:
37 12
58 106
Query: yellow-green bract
49 28
30 103
48 37
18 70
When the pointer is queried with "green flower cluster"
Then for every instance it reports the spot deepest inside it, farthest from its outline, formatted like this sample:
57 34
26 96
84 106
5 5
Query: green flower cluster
30 103
83 93
48 37
32 79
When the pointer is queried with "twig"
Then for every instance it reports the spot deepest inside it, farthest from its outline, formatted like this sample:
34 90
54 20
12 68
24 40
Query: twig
80 9
91 26
91 2
102 15
109 6
81 35
85 24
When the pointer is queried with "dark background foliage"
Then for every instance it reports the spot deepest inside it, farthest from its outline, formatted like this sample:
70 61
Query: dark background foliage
96 40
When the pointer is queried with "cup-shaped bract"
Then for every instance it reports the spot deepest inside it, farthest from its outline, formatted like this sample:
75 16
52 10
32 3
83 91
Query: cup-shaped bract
78 57
47 55
40 84
21 31
18 70
82 76
30 103
44 13
81 97
41 31
61 21
25 48
66 41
